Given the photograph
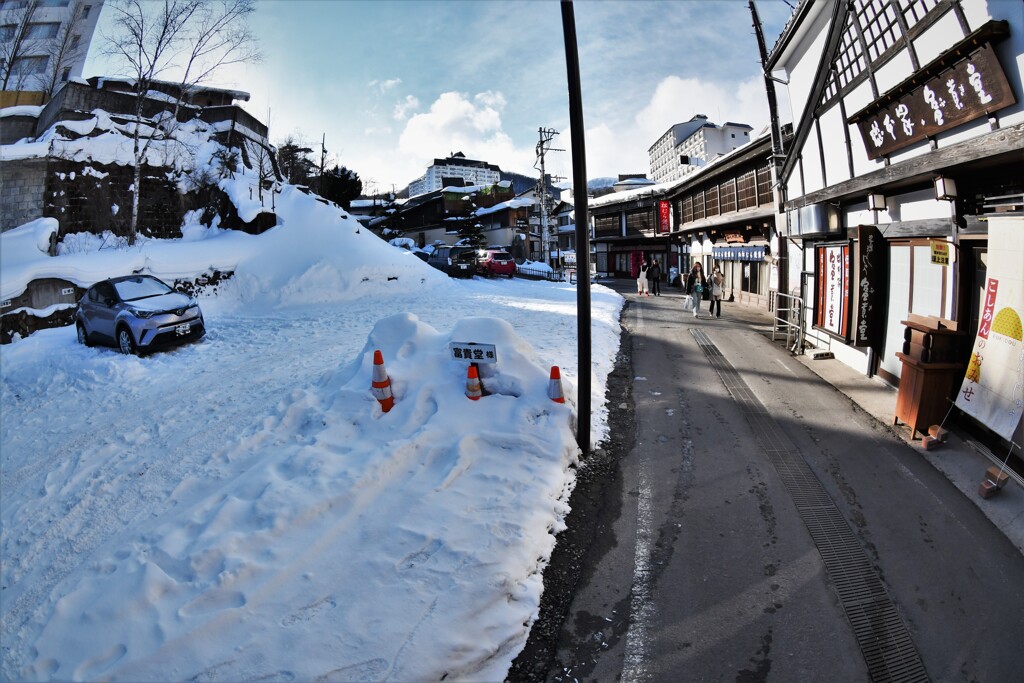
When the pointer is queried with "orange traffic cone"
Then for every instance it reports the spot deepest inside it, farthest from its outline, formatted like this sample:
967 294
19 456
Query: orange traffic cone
555 386
382 383
473 388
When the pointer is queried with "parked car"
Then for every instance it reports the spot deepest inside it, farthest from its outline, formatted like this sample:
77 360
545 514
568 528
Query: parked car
455 261
137 314
496 262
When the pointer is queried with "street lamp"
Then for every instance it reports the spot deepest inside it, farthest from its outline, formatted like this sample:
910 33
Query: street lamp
945 189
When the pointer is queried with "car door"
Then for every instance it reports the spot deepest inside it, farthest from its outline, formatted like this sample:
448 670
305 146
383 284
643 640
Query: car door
102 310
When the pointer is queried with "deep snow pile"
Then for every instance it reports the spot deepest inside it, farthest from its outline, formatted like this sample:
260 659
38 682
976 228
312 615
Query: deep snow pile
241 508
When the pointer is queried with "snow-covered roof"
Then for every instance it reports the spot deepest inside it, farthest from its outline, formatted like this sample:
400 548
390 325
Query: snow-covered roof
515 203
191 89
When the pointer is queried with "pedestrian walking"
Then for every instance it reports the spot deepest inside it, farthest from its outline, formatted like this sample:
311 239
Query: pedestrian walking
696 283
654 277
717 291
641 281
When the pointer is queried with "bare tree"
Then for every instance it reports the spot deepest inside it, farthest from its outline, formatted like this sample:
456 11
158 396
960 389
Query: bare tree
64 49
16 45
190 39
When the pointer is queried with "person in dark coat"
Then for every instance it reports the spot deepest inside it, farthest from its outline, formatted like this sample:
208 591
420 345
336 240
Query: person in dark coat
696 283
654 277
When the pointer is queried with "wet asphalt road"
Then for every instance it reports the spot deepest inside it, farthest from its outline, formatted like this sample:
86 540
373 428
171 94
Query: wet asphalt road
686 558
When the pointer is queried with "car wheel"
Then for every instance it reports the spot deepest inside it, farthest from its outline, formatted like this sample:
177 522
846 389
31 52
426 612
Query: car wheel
125 341
511 275
83 338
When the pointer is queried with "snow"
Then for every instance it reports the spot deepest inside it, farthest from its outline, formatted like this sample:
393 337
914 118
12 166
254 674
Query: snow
241 508
21 110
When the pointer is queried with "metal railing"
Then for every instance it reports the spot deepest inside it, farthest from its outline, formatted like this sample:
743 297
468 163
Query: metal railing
789 316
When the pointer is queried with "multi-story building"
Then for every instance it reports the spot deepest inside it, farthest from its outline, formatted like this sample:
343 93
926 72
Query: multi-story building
687 146
44 43
902 190
470 171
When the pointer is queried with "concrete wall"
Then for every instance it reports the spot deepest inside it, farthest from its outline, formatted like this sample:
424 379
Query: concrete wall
14 128
22 187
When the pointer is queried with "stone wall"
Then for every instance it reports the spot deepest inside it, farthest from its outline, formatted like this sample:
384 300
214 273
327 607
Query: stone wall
22 187
91 197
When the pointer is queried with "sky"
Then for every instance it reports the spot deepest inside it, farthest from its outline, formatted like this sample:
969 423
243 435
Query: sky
242 508
395 84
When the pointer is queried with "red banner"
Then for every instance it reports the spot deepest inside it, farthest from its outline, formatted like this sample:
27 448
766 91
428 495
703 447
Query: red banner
666 222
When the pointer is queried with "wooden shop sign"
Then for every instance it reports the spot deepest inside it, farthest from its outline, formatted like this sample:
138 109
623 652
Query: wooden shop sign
965 90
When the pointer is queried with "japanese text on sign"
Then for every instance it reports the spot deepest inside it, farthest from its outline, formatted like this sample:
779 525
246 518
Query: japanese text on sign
968 90
473 353
985 326
940 252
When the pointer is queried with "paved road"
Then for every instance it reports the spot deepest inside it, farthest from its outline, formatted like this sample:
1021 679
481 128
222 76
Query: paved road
726 535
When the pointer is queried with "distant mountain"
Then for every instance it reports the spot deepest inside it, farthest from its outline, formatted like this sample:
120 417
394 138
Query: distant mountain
600 183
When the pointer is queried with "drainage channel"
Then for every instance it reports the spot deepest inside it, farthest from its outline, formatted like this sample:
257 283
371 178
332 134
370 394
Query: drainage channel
881 634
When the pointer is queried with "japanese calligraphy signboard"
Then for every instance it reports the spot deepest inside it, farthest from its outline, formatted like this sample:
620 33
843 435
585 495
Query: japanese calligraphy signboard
832 289
472 352
993 390
967 90
940 252
873 259
664 217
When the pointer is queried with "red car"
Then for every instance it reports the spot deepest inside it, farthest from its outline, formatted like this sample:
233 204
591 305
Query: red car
496 262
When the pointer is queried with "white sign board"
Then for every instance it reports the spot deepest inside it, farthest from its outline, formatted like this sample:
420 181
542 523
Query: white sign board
472 352
993 390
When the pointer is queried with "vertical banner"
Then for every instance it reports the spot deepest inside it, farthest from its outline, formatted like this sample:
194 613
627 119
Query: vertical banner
993 390
832 278
664 215
872 286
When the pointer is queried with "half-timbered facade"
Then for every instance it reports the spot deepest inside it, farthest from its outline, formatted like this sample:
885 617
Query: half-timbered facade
908 133
726 216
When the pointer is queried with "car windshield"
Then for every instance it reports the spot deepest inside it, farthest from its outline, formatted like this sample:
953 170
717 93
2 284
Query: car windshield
465 257
140 288
501 256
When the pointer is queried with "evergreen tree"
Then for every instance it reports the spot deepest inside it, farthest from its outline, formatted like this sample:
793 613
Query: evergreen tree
296 166
471 232
341 186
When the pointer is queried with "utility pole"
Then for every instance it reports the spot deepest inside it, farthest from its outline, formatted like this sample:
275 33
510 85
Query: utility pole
323 159
579 179
543 147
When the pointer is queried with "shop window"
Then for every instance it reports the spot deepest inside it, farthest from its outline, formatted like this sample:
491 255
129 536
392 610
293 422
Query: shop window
639 222
698 206
727 196
764 186
712 207
746 191
607 226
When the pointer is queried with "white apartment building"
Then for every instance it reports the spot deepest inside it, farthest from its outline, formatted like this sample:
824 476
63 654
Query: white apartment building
687 146
472 172
44 43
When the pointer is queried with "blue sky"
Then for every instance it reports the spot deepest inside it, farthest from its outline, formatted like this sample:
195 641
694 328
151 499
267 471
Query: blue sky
395 83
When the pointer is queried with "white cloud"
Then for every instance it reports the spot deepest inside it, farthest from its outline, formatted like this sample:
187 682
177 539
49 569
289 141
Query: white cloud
385 86
455 123
402 109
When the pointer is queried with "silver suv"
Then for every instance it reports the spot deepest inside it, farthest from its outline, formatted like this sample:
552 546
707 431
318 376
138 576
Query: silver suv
137 314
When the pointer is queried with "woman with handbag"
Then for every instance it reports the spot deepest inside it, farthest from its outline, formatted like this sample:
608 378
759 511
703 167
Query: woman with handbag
717 291
696 283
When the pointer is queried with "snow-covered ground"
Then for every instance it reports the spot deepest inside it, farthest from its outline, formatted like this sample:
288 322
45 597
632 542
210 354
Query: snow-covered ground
242 509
